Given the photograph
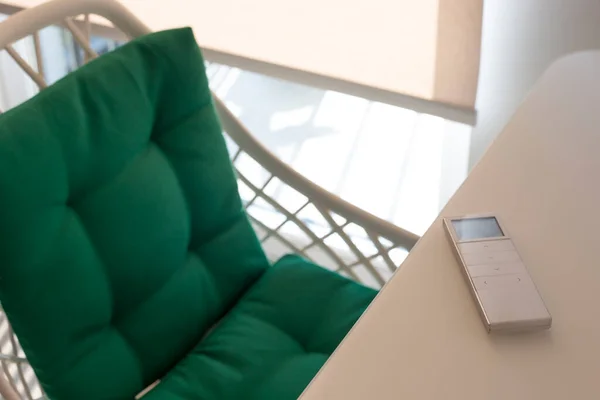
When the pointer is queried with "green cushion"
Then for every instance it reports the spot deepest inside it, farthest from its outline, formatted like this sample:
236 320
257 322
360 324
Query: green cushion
272 343
123 236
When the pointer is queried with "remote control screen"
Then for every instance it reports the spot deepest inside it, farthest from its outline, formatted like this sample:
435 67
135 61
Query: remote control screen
477 228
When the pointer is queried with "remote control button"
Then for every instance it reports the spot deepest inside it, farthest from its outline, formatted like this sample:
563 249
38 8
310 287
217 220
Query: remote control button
491 257
506 283
510 299
486 246
496 269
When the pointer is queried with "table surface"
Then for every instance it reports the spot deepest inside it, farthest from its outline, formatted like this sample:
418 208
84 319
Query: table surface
374 49
422 338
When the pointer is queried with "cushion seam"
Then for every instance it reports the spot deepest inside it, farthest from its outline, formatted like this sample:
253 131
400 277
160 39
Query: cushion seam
217 232
100 257
116 322
72 200
168 129
166 59
188 207
279 329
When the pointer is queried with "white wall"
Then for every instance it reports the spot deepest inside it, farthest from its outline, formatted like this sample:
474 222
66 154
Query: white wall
521 38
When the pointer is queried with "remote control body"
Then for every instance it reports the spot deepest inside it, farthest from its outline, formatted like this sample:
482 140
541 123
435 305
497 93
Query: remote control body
503 290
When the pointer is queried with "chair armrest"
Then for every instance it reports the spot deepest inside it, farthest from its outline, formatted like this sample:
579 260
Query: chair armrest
13 359
6 390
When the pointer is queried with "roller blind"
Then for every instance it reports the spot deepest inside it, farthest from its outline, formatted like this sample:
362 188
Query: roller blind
419 54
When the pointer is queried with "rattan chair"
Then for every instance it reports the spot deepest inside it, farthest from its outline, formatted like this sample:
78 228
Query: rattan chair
368 243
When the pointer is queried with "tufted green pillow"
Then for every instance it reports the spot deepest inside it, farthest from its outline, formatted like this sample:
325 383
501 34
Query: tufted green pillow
123 235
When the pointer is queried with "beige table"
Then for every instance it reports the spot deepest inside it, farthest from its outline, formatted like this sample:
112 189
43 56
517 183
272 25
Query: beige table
420 54
422 339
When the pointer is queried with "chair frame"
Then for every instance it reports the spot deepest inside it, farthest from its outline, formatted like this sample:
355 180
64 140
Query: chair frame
383 235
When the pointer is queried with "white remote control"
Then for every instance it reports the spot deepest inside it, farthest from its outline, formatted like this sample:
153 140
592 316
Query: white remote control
505 294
